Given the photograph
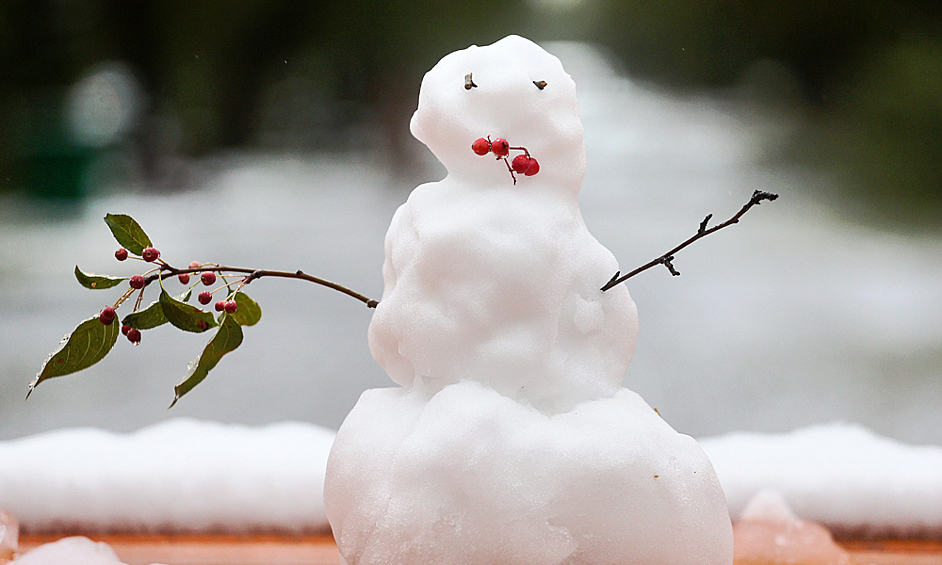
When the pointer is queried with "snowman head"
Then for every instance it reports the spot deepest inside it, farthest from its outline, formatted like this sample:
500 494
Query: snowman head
522 94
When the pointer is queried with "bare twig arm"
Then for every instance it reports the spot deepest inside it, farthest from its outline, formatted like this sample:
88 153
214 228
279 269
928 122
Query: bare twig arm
667 258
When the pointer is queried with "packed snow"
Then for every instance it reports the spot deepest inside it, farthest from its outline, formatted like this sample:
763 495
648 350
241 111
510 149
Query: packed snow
510 440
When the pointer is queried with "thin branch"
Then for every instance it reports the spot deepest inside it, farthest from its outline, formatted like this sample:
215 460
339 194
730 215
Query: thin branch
253 274
665 259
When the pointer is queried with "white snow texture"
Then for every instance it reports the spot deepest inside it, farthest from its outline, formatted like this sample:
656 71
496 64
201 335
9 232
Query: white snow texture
510 440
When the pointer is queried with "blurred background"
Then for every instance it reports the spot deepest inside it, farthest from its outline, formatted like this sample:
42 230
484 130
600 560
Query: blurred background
275 134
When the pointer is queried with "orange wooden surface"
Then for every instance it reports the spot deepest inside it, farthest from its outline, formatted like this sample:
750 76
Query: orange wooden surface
321 550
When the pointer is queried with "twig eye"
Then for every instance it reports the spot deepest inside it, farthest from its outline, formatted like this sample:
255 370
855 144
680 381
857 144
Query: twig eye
541 84
468 83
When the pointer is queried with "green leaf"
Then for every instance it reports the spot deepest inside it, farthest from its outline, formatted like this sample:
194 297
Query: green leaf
152 316
248 312
85 346
227 338
128 233
146 319
97 282
184 316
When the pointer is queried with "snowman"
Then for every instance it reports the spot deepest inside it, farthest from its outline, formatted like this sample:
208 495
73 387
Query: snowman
509 439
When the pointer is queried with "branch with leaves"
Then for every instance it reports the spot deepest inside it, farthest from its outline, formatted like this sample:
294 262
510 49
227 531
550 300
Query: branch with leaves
668 258
94 338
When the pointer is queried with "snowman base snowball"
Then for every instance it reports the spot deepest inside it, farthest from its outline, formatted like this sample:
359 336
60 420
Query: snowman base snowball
509 439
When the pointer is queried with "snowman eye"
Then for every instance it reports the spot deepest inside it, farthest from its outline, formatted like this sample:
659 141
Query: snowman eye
468 83
541 84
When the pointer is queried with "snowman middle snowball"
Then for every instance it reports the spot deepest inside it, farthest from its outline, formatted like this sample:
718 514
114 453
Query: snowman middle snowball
492 281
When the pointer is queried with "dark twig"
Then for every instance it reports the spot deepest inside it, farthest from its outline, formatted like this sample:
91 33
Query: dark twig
665 259
168 271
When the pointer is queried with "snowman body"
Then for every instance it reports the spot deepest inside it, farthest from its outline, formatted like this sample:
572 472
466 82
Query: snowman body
510 440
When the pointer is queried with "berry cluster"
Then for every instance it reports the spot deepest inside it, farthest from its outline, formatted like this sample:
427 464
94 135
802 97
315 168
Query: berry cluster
137 283
523 164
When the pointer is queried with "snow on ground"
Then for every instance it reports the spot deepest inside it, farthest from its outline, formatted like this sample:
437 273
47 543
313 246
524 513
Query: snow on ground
194 475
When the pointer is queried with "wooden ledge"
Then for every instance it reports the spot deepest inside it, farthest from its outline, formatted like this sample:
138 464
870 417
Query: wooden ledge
271 549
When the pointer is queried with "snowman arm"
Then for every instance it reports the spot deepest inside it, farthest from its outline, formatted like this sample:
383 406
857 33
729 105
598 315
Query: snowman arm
667 258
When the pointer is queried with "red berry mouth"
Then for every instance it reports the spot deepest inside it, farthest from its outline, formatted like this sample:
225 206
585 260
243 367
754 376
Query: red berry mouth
523 164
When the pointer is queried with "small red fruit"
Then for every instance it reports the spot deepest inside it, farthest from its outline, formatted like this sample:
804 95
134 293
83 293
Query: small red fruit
137 281
184 278
208 277
107 316
231 306
520 163
134 336
195 265
121 254
481 146
221 305
150 254
533 168
125 329
500 147
205 297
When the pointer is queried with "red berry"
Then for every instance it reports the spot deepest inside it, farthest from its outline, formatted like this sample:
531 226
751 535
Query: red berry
208 277
533 168
150 254
481 146
107 316
205 297
195 265
121 254
137 281
231 306
221 305
125 329
134 336
500 147
520 163
184 278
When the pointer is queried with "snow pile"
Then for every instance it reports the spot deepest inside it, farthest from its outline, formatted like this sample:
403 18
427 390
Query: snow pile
510 440
74 551
841 475
181 475
768 532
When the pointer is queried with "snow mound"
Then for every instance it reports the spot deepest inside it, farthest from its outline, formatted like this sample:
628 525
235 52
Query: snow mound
180 475
841 475
73 550
471 476
769 533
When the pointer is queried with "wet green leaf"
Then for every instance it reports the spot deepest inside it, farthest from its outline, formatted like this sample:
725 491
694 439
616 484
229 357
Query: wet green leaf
249 312
146 319
184 316
128 233
85 346
97 282
152 316
227 338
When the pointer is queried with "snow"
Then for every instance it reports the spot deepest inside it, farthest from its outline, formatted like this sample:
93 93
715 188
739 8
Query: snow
510 439
76 550
769 532
841 475
180 475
